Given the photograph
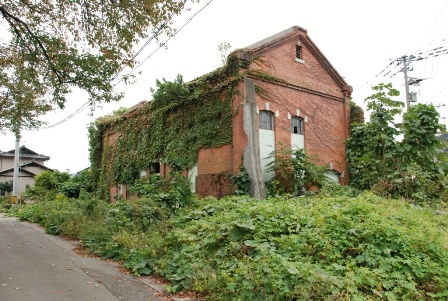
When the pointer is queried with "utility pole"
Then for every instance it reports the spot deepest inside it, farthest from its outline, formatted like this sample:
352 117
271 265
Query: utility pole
15 182
406 81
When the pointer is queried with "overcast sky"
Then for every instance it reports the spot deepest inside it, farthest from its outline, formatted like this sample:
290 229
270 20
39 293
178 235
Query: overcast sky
359 38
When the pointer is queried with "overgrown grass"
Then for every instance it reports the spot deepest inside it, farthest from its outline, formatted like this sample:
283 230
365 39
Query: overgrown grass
325 247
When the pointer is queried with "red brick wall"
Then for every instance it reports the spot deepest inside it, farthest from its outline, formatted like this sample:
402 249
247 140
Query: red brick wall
214 171
215 160
309 88
217 185
325 130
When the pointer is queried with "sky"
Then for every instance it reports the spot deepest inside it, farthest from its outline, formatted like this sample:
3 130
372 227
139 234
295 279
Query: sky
359 38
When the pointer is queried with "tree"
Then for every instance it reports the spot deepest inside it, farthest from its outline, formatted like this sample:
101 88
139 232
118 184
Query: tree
55 46
6 186
51 180
379 161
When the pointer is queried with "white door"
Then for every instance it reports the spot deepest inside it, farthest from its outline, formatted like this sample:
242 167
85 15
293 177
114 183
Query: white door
192 174
267 146
297 141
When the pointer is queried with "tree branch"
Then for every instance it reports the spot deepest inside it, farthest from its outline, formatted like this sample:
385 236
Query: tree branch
8 16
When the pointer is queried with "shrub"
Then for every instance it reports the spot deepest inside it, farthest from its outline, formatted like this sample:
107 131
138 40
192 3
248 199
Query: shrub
242 180
342 248
174 190
295 172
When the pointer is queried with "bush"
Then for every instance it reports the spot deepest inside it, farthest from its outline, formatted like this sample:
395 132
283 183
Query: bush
295 172
71 189
342 248
242 180
174 190
349 247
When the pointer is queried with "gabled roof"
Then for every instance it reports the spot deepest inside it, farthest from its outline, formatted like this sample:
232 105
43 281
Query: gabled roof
24 165
295 33
25 153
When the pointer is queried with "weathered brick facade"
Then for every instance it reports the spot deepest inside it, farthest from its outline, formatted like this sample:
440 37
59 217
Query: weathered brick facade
308 87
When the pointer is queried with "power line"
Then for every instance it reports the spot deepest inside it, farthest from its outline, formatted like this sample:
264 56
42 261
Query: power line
446 3
438 93
446 21
76 112
166 41
155 34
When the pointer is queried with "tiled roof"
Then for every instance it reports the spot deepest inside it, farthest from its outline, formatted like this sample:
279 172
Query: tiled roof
25 153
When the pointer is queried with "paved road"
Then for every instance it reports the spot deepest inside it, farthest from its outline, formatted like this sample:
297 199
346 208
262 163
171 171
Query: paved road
35 266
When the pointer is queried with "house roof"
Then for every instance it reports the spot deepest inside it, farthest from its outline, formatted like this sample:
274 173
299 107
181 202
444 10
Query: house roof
22 167
25 153
288 35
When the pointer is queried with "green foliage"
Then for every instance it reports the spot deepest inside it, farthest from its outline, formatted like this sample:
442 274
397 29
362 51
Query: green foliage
295 172
51 180
378 160
70 189
356 113
5 203
107 230
50 47
6 186
181 119
350 246
174 190
242 180
49 184
342 248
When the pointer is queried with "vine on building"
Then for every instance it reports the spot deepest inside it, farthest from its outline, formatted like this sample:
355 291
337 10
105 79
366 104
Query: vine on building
181 119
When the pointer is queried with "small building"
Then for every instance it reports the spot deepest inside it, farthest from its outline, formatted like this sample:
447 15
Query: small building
279 91
30 165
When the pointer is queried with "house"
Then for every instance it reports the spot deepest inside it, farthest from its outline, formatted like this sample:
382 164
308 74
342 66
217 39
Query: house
280 90
30 165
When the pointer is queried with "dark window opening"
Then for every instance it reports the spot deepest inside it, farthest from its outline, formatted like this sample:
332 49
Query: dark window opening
299 52
154 168
266 120
297 125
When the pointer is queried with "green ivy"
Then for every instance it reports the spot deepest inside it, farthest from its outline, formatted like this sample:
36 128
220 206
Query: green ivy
242 180
181 119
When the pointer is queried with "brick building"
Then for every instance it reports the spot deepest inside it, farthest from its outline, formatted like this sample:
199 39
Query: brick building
289 94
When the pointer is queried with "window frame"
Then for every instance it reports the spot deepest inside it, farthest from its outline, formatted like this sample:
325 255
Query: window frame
266 120
300 126
299 54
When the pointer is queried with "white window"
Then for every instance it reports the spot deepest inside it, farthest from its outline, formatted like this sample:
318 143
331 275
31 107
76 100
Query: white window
266 120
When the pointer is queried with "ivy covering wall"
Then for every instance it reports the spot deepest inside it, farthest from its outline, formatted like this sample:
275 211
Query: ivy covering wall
181 119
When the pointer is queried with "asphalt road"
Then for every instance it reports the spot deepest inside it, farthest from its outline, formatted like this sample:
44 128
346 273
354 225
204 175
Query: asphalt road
35 266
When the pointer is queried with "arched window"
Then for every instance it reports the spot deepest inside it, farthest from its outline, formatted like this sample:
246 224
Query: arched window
297 125
266 120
